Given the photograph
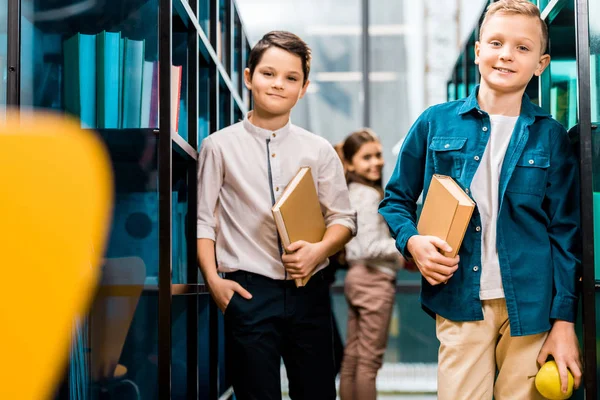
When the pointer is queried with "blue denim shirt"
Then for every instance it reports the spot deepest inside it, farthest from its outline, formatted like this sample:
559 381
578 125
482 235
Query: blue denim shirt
538 221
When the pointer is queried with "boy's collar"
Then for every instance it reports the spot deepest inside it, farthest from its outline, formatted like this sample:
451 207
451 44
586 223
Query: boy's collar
527 107
265 133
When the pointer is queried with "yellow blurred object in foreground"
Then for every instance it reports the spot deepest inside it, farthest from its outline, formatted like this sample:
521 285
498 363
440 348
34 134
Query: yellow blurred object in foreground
55 205
547 382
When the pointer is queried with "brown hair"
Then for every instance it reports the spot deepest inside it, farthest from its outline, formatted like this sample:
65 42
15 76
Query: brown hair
286 41
350 147
517 7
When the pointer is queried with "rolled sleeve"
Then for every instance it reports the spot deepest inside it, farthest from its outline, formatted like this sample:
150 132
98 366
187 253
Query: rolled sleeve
399 204
562 208
210 180
333 192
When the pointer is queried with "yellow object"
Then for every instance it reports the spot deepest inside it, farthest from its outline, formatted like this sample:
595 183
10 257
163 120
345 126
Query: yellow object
547 382
55 205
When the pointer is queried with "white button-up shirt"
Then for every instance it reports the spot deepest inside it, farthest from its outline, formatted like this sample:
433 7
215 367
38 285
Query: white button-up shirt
242 171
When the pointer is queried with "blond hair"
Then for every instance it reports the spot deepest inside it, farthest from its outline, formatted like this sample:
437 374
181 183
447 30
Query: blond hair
517 7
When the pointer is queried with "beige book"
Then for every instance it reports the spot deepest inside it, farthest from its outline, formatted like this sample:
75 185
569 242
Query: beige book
298 213
446 212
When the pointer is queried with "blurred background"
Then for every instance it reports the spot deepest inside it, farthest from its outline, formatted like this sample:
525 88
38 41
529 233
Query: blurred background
410 51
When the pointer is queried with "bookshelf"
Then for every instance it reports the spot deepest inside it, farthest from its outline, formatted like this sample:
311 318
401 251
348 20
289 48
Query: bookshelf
569 89
151 78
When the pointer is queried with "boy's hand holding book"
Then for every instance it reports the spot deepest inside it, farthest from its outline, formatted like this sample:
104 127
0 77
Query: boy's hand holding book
434 266
222 290
303 258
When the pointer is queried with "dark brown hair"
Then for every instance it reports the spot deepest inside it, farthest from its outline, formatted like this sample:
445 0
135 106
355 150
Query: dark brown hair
517 7
286 41
350 147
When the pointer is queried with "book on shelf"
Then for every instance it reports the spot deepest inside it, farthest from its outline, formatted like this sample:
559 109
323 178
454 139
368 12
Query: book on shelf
176 71
108 58
133 65
108 84
446 213
80 78
298 214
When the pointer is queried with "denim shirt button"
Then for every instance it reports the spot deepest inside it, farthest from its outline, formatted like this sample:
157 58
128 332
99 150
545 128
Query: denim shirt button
478 229
476 158
475 268
484 129
467 191
531 162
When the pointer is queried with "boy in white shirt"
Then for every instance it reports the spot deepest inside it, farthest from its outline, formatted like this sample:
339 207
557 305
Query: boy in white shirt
243 170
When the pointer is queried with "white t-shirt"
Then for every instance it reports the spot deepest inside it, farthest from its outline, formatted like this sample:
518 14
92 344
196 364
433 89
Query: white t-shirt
485 192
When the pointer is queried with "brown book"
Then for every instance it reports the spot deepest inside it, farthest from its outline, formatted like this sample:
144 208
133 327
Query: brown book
446 212
298 213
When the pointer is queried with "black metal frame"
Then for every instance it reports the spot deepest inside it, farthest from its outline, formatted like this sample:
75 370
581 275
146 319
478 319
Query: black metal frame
587 210
165 186
13 87
366 64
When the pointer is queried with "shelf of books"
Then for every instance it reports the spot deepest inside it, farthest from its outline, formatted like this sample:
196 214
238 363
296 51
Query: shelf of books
98 61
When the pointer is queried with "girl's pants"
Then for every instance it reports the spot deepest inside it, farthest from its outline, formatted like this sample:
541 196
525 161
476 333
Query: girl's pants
370 295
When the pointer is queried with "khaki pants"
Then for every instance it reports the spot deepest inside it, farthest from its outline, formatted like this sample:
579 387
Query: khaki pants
471 353
370 295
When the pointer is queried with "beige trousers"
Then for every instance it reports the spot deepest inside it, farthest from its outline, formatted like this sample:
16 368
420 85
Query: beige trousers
472 353
370 294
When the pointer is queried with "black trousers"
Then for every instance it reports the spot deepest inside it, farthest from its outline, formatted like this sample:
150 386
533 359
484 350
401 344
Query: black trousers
280 321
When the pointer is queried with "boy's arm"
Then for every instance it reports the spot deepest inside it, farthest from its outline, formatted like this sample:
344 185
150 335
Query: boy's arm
210 180
562 207
340 219
399 208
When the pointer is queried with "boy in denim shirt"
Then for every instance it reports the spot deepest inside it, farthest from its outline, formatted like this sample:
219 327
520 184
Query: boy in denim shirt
509 298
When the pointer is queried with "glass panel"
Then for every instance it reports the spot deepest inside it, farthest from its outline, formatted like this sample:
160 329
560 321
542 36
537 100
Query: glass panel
563 68
179 338
224 105
461 87
224 35
96 61
204 102
179 79
3 54
451 91
237 70
245 53
203 344
594 9
179 221
204 15
472 68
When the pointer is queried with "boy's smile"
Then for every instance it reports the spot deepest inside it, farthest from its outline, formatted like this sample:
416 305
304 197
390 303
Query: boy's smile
510 52
276 84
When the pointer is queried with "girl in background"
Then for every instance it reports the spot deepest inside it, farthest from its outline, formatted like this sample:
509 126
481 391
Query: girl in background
373 261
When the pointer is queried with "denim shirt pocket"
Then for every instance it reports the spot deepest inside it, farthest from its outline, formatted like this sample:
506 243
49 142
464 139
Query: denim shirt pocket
448 155
529 176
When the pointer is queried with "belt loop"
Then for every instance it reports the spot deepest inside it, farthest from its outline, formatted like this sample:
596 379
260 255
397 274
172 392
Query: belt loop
248 277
